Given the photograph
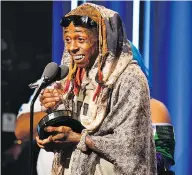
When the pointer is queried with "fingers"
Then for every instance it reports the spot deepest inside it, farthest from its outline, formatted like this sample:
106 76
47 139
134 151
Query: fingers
50 93
63 129
40 146
50 97
59 137
44 142
61 133
38 142
57 92
48 103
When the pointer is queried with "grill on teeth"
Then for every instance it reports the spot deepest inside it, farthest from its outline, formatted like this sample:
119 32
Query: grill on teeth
78 57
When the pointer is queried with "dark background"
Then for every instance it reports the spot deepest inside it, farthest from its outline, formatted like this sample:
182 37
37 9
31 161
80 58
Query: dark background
26 37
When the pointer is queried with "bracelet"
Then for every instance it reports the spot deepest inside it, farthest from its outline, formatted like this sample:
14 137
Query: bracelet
82 144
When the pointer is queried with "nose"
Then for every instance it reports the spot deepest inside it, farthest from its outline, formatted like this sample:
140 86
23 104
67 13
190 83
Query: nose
74 48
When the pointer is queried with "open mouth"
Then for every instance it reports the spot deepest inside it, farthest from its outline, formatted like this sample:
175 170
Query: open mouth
78 57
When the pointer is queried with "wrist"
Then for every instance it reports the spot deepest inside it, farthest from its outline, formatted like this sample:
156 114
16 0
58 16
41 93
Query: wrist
74 137
82 143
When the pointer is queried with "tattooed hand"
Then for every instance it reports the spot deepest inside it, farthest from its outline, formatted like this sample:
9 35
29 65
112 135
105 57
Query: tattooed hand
59 137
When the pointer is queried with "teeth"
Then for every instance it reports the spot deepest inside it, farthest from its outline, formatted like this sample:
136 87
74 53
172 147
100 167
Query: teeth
78 57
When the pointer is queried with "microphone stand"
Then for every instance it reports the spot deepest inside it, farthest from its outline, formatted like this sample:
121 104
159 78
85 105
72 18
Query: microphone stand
43 85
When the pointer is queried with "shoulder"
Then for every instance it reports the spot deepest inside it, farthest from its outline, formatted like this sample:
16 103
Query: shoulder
133 73
132 82
159 112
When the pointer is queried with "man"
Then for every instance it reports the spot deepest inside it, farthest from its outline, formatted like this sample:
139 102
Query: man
156 107
114 95
159 111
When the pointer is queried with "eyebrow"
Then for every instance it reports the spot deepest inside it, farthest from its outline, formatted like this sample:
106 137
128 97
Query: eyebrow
76 30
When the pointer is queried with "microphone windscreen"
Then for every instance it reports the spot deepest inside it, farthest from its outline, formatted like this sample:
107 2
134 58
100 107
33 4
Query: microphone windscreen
50 71
64 72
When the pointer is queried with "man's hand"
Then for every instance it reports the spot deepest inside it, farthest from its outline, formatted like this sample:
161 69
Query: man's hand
49 98
62 135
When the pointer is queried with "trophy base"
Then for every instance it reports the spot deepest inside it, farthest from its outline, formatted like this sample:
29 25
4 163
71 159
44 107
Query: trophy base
58 118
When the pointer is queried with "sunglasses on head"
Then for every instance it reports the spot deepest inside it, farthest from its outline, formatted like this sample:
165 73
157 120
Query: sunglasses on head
84 21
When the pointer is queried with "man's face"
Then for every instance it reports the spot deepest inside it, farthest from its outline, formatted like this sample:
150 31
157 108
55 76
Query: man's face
82 45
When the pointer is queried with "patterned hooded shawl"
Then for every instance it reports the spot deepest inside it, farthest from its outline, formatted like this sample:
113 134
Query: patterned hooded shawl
122 134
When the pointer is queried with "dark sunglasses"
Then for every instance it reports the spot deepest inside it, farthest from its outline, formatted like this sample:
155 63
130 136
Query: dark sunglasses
83 21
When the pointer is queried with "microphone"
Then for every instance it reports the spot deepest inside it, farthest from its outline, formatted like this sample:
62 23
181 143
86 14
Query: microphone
62 73
51 74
